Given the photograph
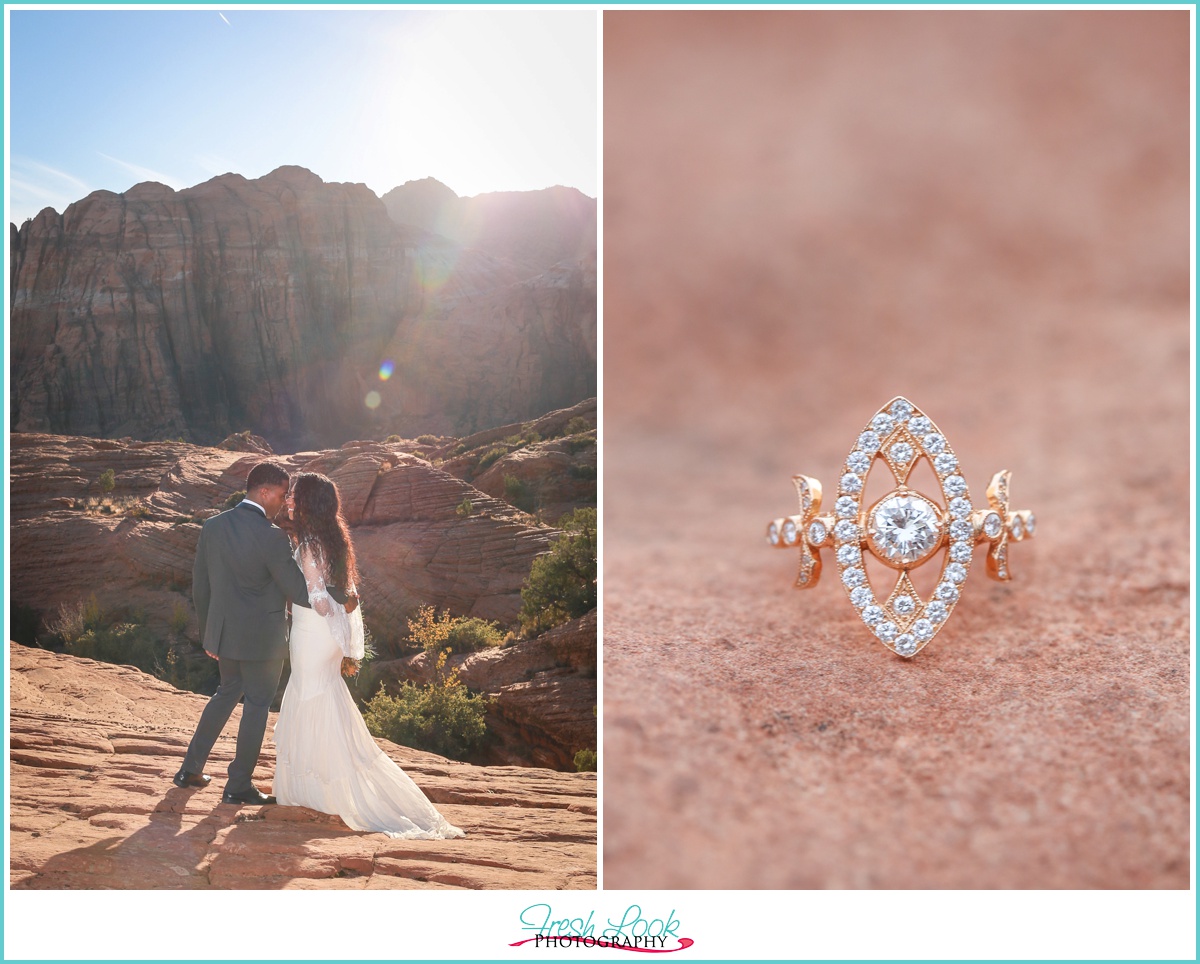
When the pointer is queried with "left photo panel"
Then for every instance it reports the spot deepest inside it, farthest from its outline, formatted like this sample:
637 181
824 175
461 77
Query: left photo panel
302 411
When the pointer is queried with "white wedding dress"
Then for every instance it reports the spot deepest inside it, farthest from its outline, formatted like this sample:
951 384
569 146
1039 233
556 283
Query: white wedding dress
325 758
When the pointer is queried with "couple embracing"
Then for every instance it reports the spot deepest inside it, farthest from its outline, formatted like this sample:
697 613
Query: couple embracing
245 573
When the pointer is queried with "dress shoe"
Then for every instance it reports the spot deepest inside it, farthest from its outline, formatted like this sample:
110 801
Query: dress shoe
185 779
253 795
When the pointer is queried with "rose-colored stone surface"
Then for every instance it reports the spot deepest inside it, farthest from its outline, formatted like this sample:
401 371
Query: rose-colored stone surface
807 213
94 747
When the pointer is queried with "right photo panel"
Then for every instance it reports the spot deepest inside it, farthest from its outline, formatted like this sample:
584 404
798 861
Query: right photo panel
896 562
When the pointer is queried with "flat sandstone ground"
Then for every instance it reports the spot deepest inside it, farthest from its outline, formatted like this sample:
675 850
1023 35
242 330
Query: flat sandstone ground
94 747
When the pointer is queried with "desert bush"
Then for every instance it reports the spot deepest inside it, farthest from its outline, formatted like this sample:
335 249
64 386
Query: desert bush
490 456
392 439
107 481
441 717
464 508
585 761
180 617
458 449
518 493
458 634
582 471
579 442
427 439
577 426
562 582
233 500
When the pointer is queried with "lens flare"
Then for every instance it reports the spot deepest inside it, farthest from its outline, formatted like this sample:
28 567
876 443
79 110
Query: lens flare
373 400
386 369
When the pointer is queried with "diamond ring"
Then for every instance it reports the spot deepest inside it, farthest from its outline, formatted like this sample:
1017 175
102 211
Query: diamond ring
903 529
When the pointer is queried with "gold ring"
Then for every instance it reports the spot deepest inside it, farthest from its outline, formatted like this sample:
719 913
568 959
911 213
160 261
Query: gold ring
904 529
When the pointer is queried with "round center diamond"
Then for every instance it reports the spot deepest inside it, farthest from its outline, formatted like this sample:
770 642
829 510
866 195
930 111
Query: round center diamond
904 528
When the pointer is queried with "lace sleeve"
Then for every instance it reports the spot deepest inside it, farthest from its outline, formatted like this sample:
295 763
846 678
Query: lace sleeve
347 628
314 576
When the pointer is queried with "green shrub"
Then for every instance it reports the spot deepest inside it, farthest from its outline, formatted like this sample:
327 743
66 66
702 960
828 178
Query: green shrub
107 481
180 617
464 508
459 634
392 439
491 456
458 449
518 493
579 442
125 643
585 761
470 633
441 717
577 426
582 471
427 439
562 582
233 500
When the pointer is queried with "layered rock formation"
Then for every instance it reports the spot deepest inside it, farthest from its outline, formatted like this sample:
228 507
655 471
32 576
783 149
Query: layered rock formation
273 305
94 747
543 693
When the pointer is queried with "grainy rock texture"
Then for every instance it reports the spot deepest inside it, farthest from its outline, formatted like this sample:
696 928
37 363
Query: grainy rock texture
808 213
94 747
271 304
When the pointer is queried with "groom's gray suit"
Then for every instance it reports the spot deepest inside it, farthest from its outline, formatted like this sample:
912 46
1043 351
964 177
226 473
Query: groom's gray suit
243 576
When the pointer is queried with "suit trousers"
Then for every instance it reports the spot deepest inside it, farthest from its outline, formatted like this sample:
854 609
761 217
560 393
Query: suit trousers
256 680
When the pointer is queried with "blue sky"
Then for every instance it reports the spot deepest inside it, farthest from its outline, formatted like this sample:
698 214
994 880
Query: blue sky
483 100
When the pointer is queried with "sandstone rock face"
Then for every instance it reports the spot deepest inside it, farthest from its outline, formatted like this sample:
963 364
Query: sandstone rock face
543 693
537 227
94 747
271 304
413 548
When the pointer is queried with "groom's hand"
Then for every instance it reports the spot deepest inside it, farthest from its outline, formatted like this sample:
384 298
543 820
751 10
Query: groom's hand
351 602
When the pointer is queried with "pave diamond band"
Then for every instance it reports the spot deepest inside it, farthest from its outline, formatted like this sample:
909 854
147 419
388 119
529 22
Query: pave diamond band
904 529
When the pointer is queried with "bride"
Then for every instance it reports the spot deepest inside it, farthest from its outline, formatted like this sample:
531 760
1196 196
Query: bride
325 757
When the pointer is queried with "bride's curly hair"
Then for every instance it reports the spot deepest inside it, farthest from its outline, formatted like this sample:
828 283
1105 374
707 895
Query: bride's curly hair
318 521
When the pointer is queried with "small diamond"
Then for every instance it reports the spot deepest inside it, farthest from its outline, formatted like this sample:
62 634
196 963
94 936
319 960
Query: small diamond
859 462
901 409
886 631
946 462
955 485
904 605
1017 528
961 529
919 425
847 507
789 532
936 611
851 483
947 592
872 614
961 552
901 452
960 508
923 629
1030 524
773 534
804 575
905 644
846 531
956 572
853 578
934 443
883 424
861 597
817 533
868 442
992 525
849 555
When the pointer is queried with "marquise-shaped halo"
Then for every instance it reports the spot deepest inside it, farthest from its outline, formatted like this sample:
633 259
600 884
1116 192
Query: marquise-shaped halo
904 529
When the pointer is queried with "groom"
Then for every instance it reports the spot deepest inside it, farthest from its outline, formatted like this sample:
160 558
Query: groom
243 576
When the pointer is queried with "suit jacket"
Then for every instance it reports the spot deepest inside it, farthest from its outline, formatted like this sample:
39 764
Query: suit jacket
241 581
